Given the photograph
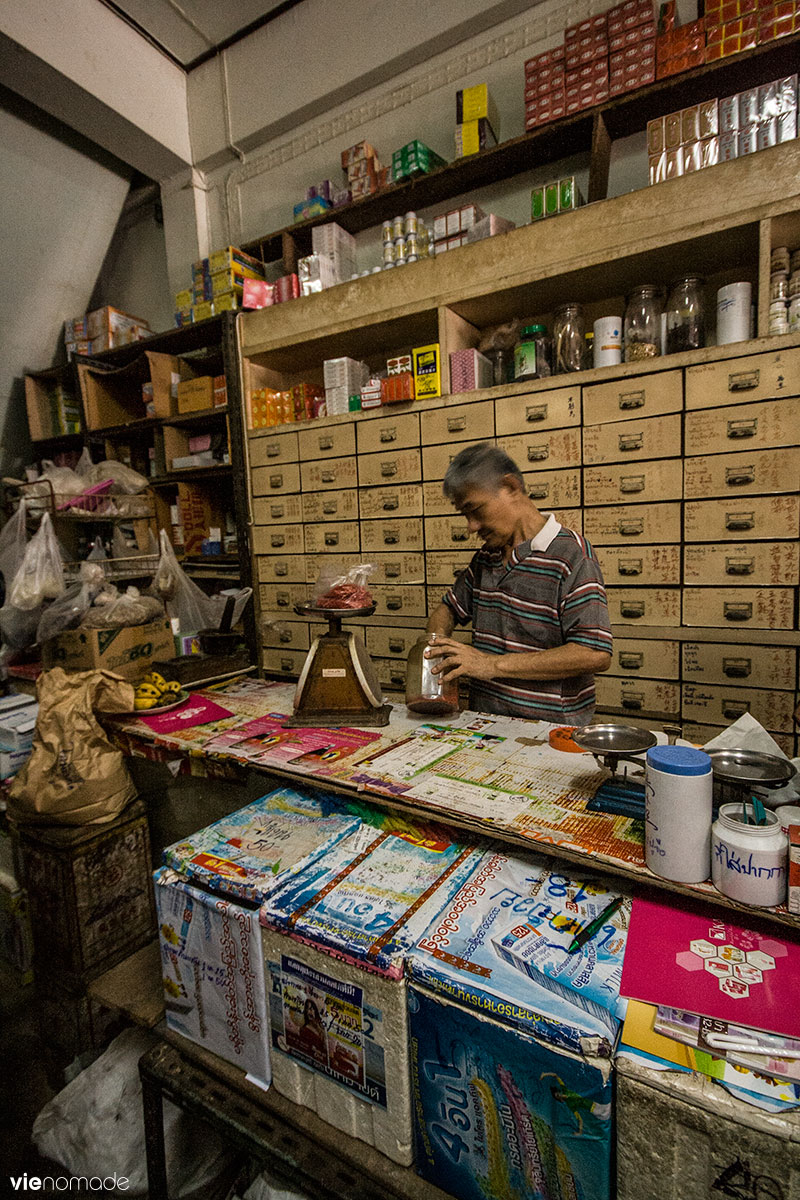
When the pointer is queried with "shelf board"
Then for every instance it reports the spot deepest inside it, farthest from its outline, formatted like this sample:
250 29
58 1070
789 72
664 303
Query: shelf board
196 418
64 441
133 429
622 116
190 473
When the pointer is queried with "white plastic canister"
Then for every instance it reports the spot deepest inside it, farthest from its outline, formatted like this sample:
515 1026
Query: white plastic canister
749 862
678 801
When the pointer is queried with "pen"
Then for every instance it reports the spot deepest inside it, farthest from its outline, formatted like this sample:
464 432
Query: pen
588 931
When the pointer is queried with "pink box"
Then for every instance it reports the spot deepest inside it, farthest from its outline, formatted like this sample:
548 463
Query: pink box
469 370
257 294
199 443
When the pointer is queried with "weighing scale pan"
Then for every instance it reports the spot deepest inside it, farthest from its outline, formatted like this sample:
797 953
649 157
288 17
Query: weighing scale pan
751 767
313 610
621 741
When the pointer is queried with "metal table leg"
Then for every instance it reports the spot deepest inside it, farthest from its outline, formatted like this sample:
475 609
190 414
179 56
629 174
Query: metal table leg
153 1111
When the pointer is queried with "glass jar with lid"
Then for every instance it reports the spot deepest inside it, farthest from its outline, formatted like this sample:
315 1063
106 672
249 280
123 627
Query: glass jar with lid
686 315
532 353
642 330
569 339
426 692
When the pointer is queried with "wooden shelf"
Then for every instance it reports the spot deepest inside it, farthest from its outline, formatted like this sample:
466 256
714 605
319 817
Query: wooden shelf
133 429
190 473
690 633
60 441
181 420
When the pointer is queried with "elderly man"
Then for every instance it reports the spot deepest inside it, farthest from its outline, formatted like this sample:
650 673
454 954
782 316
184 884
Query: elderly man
534 594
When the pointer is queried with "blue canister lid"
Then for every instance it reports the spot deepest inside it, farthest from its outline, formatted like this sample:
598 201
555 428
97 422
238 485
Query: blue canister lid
679 760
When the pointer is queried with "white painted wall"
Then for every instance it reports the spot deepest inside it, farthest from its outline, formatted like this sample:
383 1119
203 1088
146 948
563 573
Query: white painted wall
133 276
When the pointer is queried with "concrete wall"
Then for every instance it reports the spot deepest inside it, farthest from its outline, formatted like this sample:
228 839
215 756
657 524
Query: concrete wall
133 276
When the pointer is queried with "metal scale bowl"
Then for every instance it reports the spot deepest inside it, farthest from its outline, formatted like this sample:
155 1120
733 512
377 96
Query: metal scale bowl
739 771
338 684
611 744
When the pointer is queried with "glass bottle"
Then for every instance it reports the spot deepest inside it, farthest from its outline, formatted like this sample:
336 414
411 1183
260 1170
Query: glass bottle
686 315
569 339
532 353
426 692
643 323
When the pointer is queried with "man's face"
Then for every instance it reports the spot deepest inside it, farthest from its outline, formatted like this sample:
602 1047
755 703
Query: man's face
492 515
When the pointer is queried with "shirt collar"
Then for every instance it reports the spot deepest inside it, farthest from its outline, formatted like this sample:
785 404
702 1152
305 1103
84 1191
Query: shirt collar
549 531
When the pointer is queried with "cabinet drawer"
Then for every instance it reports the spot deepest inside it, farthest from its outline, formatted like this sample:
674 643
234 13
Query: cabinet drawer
623 441
268 449
392 643
280 634
314 563
750 472
281 597
638 695
763 563
434 502
390 466
398 600
341 536
402 534
723 704
634 483
747 666
638 396
275 568
726 520
702 734
277 510
571 518
547 450
624 525
403 500
461 422
444 569
391 673
334 473
715 430
644 606
283 662
757 377
738 608
397 568
649 658
436 459
554 489
327 506
278 539
647 565
537 410
331 441
397 432
266 481
447 533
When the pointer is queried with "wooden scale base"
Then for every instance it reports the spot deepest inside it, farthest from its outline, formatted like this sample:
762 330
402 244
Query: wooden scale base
338 684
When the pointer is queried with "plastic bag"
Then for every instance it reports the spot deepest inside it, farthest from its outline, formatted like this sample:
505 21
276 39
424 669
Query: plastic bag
19 626
125 481
13 539
84 464
183 598
69 610
112 610
343 591
41 573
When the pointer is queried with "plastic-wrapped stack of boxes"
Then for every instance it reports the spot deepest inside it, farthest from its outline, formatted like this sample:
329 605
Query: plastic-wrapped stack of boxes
476 117
774 20
103 329
450 229
683 141
415 158
217 284
365 174
344 377
680 49
267 407
338 247
632 46
544 88
586 63
563 195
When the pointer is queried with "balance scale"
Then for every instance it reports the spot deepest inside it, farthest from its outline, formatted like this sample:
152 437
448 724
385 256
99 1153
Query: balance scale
338 684
611 744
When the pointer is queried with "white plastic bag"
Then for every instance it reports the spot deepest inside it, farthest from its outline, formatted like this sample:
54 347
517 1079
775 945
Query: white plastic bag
41 574
124 480
184 599
13 539
69 609
347 590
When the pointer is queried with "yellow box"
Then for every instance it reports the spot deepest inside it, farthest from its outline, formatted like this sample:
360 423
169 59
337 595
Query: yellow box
196 394
475 102
427 371
183 300
201 312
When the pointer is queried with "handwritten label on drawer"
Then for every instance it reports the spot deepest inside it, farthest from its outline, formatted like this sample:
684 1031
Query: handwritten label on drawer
398 568
753 666
756 518
621 441
537 410
392 535
769 424
762 563
325 506
644 606
545 450
330 473
732 607
622 525
641 564
637 482
400 466
403 500
748 473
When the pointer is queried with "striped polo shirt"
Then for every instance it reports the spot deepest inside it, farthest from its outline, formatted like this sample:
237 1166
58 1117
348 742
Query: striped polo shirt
550 592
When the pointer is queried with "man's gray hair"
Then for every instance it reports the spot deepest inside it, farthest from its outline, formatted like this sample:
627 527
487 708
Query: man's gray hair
482 466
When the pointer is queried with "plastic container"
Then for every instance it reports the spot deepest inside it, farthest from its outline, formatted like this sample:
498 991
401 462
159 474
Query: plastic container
532 353
787 814
686 315
733 313
426 692
643 323
749 862
607 344
569 339
678 803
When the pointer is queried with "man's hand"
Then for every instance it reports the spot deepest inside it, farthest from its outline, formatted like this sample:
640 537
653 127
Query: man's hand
459 660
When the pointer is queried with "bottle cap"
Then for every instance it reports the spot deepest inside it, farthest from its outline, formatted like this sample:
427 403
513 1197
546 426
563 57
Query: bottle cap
679 760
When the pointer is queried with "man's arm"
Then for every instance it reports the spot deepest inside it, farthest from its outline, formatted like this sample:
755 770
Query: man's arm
441 621
561 662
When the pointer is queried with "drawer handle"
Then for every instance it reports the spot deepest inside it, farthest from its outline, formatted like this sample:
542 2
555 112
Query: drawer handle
284 637
328 477
539 491
396 647
329 507
286 664
273 450
325 443
743 429
739 566
740 520
277 540
633 702
392 571
459 535
631 483
391 503
281 570
737 668
737 610
538 453
282 600
631 441
740 476
628 400
456 424
631 566
276 481
630 660
630 528
391 537
388 469
535 412
331 539
394 603
397 678
743 381
389 435
276 510
732 709
633 609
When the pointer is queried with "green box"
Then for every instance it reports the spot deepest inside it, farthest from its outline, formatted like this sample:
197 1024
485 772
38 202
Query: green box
551 199
569 196
537 204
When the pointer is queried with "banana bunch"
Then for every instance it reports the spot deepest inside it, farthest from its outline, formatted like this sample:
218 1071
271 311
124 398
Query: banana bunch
154 691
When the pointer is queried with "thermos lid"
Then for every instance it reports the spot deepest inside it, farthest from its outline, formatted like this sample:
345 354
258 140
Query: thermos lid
679 760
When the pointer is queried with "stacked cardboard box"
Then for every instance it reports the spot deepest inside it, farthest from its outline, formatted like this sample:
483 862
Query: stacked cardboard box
545 76
337 246
344 377
365 174
217 284
450 229
476 117
776 20
632 46
680 49
103 329
586 78
562 195
683 141
415 158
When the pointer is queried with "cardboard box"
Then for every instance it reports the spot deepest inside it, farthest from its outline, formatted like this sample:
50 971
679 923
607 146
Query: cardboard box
196 394
128 651
109 327
427 370
793 901
200 513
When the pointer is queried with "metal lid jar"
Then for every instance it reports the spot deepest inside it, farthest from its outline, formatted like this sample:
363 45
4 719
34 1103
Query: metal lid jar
642 332
686 315
532 353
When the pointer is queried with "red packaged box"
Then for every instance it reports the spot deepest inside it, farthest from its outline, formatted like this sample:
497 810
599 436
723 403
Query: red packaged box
546 59
397 387
667 15
287 288
256 293
771 29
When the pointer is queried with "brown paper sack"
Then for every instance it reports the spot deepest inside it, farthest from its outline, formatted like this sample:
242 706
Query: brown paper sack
74 775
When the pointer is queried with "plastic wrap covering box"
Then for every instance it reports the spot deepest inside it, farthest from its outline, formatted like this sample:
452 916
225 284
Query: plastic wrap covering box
250 853
213 973
680 1136
334 943
499 1114
479 951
